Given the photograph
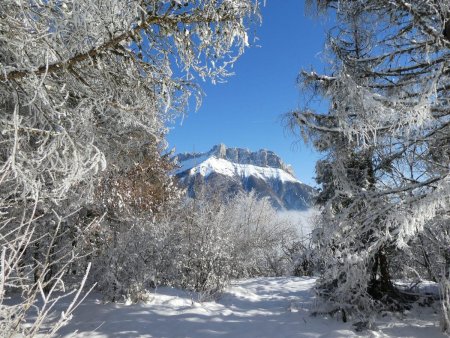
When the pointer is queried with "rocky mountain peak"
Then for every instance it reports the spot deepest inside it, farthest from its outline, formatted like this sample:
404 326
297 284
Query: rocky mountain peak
261 158
227 171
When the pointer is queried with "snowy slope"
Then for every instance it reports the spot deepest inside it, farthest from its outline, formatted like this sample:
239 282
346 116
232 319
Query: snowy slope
232 170
254 308
205 166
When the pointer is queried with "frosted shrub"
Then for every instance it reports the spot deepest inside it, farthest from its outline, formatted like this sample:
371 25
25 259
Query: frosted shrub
260 235
197 249
31 288
196 245
136 260
183 246
241 238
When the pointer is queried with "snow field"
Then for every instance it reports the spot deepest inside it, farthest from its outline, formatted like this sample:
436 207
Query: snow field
205 166
256 308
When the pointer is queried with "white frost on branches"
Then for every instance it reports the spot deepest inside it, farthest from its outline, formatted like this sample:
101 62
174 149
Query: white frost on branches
85 84
385 178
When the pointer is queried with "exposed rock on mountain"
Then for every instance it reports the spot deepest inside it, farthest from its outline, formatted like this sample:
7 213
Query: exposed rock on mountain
230 170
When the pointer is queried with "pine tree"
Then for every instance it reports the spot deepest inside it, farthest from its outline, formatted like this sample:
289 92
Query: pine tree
388 111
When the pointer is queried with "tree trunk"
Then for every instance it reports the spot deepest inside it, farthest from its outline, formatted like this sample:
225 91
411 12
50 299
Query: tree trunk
380 284
447 30
445 293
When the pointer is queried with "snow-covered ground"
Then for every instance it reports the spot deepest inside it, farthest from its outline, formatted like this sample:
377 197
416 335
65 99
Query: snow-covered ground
257 308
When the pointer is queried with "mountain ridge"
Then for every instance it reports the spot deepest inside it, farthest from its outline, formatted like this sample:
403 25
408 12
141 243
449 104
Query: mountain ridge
262 157
230 170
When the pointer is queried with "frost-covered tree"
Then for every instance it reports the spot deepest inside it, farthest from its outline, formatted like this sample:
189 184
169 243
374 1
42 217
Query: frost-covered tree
386 136
80 78
86 84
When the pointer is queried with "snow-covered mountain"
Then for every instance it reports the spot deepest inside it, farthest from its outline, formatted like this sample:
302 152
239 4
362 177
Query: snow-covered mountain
230 170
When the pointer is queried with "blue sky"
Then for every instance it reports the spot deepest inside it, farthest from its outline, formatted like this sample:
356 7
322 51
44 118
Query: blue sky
247 110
